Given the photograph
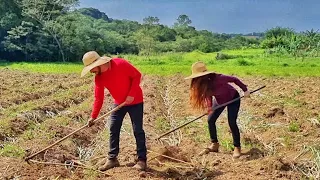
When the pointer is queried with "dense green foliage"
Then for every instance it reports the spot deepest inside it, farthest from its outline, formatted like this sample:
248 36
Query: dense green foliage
42 30
286 41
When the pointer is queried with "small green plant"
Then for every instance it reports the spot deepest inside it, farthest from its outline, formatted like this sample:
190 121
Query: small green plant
28 134
223 56
243 62
227 144
198 136
162 124
294 127
11 150
298 92
287 141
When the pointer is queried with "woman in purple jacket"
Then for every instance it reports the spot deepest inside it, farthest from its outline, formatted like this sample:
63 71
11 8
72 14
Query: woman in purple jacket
204 86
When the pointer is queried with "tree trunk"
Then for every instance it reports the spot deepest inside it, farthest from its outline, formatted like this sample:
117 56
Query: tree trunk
43 23
60 49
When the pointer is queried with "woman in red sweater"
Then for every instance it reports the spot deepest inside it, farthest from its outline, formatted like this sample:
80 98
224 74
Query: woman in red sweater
206 85
123 82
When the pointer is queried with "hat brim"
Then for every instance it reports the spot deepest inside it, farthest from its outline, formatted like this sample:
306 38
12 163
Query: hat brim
199 74
98 62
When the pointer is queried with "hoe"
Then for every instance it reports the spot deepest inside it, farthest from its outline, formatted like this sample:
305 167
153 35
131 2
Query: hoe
57 142
217 107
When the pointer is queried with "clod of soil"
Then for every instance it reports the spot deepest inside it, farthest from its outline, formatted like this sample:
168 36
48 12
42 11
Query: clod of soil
274 111
174 152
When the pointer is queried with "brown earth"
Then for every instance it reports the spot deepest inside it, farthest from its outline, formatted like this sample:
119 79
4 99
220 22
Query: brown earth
270 145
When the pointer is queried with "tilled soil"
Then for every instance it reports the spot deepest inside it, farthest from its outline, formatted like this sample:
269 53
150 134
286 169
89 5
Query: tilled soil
276 124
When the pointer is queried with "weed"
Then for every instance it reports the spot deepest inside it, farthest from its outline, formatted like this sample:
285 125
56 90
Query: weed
227 144
11 150
294 126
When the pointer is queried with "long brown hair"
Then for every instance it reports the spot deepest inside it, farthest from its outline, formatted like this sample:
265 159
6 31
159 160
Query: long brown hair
200 90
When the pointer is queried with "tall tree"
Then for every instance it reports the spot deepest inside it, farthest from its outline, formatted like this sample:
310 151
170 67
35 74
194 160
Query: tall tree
45 13
10 16
182 21
150 20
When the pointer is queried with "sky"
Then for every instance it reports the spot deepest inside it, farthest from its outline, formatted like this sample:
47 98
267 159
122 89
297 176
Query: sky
220 16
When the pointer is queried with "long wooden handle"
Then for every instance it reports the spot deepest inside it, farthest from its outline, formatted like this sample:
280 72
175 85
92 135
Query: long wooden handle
216 107
113 110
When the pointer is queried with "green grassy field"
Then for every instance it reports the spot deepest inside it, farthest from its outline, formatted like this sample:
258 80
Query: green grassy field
245 62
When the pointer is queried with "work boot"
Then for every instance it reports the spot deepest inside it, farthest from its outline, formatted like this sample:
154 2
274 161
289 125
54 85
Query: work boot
214 147
101 162
141 165
236 152
111 163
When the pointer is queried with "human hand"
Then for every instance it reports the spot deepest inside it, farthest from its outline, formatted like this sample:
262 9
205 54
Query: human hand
247 94
129 99
91 122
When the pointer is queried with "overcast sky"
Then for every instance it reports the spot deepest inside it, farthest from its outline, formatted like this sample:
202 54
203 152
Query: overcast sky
228 16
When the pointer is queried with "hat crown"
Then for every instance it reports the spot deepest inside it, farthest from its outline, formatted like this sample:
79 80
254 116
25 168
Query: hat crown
89 57
198 67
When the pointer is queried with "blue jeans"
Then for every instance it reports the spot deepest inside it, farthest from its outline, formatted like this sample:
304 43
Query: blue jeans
136 116
233 110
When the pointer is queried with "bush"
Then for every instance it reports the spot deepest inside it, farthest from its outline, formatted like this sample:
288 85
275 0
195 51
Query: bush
222 56
243 62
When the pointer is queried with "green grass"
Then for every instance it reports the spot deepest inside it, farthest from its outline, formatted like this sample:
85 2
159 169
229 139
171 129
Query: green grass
45 67
10 150
246 62
294 127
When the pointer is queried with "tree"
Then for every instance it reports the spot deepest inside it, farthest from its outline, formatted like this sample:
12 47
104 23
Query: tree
145 41
45 13
95 13
150 20
10 16
277 32
312 38
182 21
277 37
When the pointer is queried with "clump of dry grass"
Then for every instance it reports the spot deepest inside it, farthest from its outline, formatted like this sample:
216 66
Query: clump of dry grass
310 167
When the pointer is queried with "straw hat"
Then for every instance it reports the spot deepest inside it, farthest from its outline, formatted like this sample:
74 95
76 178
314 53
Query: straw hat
91 60
198 69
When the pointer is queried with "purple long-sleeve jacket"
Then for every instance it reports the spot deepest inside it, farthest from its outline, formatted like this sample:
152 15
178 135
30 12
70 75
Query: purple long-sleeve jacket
222 90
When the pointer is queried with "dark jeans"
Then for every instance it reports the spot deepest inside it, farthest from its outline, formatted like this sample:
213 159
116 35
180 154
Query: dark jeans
233 110
136 115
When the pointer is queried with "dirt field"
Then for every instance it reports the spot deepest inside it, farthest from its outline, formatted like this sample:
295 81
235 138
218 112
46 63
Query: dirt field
280 126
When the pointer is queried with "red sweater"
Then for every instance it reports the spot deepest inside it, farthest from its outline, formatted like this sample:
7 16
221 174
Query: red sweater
122 80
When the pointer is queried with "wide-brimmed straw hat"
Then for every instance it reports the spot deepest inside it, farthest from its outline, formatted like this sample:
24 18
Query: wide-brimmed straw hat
91 60
198 69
